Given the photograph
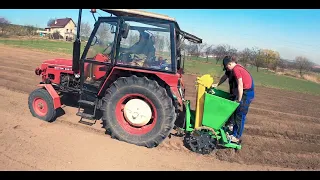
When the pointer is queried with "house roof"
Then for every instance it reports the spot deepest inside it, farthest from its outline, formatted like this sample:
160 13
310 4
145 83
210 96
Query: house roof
60 23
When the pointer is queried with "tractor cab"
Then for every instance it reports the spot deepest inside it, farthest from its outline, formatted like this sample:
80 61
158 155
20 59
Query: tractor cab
132 39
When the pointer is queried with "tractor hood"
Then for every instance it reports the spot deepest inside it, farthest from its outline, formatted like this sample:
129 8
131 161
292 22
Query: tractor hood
58 62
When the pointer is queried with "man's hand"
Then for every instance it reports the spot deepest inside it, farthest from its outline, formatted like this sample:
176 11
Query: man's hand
214 85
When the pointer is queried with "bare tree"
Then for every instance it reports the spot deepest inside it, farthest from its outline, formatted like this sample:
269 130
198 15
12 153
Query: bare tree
4 23
4 20
160 42
50 21
183 48
182 45
257 58
208 51
199 49
188 49
220 51
30 30
167 43
302 64
245 56
56 35
281 63
85 29
231 51
103 34
193 50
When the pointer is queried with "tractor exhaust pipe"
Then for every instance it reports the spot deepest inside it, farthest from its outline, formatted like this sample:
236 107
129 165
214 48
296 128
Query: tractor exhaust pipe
76 47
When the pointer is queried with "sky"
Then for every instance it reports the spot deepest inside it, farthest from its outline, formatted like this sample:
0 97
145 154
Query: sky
290 32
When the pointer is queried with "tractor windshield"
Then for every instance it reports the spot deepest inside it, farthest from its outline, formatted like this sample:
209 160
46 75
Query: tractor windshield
146 46
103 41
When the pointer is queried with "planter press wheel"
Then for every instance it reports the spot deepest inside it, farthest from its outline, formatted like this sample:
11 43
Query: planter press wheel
201 141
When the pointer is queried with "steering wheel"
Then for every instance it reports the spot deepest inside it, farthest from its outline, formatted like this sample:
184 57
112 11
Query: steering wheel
126 57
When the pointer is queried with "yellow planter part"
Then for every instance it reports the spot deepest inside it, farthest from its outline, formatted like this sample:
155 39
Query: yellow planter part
203 82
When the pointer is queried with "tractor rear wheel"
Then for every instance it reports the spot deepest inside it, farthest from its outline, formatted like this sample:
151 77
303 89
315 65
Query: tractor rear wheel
138 111
41 105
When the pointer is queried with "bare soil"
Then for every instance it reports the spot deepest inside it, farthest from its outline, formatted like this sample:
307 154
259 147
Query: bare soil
282 132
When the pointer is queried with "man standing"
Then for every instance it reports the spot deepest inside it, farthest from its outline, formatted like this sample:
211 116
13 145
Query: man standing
245 95
228 75
233 87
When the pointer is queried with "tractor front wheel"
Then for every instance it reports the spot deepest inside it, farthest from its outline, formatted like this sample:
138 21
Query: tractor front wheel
41 105
138 111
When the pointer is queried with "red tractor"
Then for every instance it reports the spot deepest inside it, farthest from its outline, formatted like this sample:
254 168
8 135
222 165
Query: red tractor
130 70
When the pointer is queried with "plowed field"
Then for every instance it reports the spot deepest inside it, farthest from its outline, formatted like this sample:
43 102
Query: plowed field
282 132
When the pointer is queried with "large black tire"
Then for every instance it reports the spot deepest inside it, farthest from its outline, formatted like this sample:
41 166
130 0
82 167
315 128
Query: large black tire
161 105
41 96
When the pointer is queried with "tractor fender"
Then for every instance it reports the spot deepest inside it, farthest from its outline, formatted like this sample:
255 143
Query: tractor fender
53 93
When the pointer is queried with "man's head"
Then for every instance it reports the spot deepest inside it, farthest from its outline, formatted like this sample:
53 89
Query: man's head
229 62
143 36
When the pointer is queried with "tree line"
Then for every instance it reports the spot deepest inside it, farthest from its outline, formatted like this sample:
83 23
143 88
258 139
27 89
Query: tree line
8 29
258 57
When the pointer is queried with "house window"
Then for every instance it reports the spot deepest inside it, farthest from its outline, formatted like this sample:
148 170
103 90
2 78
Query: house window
67 30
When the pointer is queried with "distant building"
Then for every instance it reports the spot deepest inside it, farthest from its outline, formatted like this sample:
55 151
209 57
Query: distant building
42 33
66 28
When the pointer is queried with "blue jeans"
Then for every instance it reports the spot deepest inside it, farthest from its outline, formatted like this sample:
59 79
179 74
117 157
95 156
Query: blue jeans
241 113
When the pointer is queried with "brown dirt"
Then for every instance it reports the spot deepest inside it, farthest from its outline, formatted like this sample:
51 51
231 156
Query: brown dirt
282 132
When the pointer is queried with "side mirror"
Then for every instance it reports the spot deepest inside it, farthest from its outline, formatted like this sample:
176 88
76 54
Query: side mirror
125 30
94 41
113 29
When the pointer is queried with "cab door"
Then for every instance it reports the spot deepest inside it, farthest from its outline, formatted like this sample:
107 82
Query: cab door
98 56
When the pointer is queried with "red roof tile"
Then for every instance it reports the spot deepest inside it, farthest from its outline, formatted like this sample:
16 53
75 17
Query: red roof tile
60 22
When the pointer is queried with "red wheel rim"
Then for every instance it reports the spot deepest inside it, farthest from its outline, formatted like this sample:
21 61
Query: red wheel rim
40 106
128 127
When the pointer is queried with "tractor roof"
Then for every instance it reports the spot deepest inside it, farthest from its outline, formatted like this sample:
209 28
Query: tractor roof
140 13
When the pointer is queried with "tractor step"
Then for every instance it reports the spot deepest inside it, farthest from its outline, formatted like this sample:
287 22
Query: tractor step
85 115
86 123
89 91
84 102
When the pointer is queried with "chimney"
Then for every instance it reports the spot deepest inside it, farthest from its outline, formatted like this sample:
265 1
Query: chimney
55 21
